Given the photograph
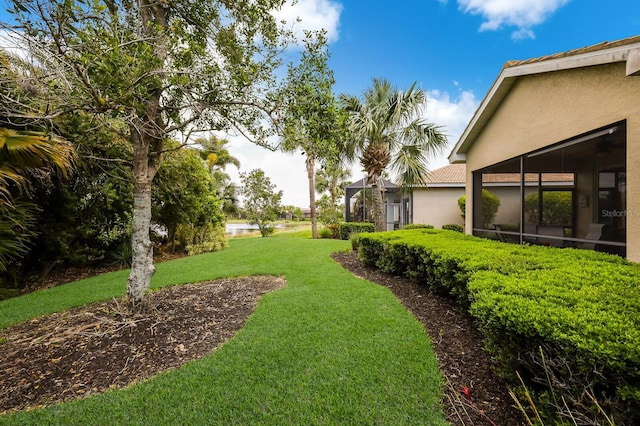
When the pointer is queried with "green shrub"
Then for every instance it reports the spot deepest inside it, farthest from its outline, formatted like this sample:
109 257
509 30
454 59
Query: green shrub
417 226
324 233
354 239
348 228
581 307
453 227
490 206
201 239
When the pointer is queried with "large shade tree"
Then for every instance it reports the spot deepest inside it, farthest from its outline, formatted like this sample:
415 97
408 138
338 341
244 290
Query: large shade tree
158 69
388 131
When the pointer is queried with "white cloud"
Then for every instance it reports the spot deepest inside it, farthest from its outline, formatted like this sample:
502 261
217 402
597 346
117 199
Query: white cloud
453 115
522 14
314 15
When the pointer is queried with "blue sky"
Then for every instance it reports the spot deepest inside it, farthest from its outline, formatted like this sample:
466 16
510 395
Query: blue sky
453 49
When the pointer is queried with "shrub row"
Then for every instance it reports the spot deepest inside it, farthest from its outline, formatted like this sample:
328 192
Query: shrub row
417 226
582 308
349 228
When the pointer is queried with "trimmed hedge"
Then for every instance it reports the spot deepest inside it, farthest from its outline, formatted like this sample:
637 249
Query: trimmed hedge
417 226
581 307
348 228
453 227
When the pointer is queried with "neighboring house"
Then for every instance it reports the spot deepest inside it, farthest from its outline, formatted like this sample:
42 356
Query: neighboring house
576 114
358 204
436 202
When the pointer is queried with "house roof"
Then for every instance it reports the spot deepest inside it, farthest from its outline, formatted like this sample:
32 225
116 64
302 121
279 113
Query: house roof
625 50
454 175
450 174
362 183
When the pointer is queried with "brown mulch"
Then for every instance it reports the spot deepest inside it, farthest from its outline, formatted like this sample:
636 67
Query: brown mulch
72 354
101 346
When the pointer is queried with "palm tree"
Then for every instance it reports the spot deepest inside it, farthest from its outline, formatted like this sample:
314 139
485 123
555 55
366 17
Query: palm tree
217 158
216 154
388 130
332 177
23 155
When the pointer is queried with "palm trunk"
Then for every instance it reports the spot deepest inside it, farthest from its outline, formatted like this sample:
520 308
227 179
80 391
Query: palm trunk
378 204
311 169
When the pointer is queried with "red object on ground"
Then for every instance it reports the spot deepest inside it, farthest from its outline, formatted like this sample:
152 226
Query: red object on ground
465 392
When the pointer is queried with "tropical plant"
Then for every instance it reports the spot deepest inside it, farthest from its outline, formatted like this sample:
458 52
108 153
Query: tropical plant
217 157
261 201
25 156
332 177
387 129
156 68
215 153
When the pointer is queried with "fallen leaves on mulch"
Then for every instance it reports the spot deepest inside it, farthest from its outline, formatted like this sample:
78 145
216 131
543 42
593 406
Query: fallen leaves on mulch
102 346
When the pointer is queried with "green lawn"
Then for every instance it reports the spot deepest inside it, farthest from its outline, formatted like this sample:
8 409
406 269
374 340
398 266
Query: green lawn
328 348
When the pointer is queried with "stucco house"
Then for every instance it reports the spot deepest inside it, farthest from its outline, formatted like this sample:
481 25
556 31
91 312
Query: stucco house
576 114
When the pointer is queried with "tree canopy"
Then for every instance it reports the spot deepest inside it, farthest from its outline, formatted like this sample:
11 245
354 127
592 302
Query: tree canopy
149 72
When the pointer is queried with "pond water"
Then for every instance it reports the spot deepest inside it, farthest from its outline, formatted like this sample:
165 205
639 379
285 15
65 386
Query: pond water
234 229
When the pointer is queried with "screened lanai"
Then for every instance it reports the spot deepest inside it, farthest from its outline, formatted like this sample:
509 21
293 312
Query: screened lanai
570 194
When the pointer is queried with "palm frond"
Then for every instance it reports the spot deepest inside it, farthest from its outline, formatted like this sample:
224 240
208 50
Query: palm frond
410 165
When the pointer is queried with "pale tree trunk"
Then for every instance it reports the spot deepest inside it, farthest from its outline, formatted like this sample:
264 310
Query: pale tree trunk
146 137
378 204
142 268
311 170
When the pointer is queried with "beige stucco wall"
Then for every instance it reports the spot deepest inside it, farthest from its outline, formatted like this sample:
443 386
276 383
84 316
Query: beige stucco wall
544 109
437 206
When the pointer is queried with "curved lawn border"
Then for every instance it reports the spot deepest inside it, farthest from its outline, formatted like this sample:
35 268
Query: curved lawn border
328 348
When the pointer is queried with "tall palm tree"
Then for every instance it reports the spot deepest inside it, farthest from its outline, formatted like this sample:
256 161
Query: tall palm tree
388 130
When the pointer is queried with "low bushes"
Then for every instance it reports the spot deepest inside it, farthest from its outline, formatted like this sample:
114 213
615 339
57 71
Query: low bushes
581 308
417 226
348 228
453 227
